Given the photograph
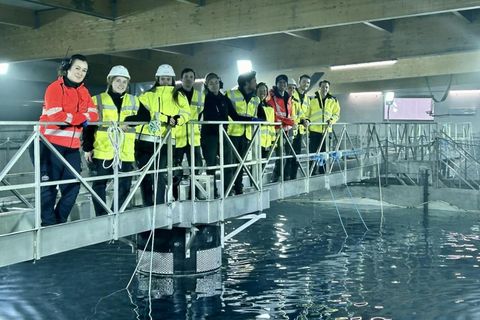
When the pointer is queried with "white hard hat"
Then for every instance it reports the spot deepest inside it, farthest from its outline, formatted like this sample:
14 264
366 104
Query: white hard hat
165 70
292 81
118 71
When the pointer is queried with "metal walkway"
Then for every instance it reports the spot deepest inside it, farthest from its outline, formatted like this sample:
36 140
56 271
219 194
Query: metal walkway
353 152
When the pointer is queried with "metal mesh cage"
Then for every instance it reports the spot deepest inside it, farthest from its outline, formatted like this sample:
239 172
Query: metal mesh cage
162 262
209 259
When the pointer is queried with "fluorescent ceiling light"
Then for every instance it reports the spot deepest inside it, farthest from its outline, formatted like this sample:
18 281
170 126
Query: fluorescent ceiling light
244 66
464 91
367 93
364 65
3 68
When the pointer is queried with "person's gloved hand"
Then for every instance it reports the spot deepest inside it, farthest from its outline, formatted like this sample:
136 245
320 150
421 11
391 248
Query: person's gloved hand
153 126
176 117
257 120
84 124
305 122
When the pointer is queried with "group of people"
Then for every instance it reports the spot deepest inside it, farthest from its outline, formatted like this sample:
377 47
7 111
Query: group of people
164 110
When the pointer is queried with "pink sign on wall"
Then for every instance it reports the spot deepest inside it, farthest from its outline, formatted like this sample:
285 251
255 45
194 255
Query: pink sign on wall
409 109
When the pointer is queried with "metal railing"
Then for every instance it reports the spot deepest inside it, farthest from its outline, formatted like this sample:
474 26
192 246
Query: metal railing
348 147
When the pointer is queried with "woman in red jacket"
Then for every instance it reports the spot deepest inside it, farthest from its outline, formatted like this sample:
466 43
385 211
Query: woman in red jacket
281 102
66 100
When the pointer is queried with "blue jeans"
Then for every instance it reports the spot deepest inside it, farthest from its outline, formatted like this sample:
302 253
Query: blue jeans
52 212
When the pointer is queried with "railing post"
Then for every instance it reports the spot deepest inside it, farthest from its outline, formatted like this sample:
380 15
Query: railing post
38 194
386 153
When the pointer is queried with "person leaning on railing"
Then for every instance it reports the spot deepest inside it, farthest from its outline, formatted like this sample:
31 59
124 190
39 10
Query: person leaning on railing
279 99
301 105
245 103
66 100
324 108
267 132
168 108
184 134
106 145
217 107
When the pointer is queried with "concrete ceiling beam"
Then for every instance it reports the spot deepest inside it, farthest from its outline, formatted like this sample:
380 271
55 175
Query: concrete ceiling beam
313 35
16 16
98 9
92 35
386 26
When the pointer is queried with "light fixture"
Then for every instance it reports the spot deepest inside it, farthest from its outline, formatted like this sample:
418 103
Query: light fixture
464 91
364 65
244 66
3 68
366 93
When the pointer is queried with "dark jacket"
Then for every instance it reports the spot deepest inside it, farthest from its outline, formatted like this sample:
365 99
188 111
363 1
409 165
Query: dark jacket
218 108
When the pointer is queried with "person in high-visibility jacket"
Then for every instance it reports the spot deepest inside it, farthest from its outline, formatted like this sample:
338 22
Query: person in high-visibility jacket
301 105
66 100
325 109
114 105
245 103
183 134
168 109
281 102
267 132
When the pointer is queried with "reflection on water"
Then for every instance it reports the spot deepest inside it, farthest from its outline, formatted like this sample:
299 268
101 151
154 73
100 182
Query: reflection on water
295 264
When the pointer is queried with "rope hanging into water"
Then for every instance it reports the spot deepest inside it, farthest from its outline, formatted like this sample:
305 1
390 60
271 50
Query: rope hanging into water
381 196
337 160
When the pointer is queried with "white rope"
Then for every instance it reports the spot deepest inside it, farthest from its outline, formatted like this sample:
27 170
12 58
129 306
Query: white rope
381 196
117 137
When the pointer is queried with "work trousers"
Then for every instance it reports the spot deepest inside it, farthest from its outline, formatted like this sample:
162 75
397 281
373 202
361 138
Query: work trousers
144 150
53 212
211 153
314 144
100 186
278 163
178 160
241 145
292 164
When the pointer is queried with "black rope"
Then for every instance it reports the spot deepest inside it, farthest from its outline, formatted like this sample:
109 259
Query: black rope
445 94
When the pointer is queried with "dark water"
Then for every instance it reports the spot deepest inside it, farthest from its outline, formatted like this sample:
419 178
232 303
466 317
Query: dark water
295 264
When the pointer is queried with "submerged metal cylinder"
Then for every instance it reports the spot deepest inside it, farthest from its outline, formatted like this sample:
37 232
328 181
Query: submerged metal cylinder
181 251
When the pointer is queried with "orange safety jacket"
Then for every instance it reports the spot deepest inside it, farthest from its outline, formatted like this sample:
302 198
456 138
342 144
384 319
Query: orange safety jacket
66 104
283 113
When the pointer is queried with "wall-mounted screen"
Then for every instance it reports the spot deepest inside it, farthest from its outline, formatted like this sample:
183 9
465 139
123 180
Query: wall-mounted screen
409 109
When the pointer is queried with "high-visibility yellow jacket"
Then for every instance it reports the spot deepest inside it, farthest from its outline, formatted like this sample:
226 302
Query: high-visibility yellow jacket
300 110
161 105
319 112
243 109
108 112
182 133
267 132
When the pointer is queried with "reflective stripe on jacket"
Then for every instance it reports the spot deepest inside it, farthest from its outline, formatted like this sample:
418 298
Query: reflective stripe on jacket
243 109
268 131
323 113
183 134
66 104
161 105
108 112
283 113
300 109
